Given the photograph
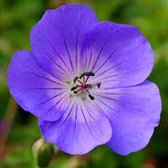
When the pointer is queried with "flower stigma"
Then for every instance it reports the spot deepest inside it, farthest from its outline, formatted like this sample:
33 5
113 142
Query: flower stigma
81 85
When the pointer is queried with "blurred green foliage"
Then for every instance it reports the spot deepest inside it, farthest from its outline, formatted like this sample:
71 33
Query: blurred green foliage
17 17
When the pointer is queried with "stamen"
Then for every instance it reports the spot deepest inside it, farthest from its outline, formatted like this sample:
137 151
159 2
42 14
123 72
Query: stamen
75 87
82 86
80 82
88 86
98 85
91 97
87 74
75 79
75 92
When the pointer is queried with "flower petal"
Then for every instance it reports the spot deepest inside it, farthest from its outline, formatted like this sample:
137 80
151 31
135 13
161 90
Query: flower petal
35 90
118 54
58 35
80 130
138 114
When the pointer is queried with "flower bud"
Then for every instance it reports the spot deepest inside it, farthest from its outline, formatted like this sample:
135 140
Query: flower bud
43 152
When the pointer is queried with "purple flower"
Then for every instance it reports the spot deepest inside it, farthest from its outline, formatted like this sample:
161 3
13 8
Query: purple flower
86 82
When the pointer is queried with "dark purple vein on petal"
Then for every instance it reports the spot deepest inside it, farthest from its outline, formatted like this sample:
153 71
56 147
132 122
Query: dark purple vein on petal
113 93
50 74
54 50
52 60
60 57
54 107
76 117
53 97
111 56
57 103
98 56
115 75
90 56
107 97
101 110
121 102
70 111
86 121
93 120
124 103
104 104
115 66
47 79
69 56
62 72
46 88
76 50
129 104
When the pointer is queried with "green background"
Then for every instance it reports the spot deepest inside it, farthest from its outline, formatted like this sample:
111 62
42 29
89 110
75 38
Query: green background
17 17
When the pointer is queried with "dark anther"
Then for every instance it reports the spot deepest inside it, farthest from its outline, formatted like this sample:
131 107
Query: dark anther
75 79
91 97
88 86
75 92
98 85
87 74
75 87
